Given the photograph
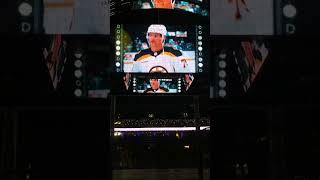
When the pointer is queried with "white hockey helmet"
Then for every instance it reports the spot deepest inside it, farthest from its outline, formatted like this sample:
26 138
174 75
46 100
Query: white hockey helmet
157 28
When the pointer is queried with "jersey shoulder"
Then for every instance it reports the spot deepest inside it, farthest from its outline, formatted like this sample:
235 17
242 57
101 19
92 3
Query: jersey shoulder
164 89
142 54
172 51
148 90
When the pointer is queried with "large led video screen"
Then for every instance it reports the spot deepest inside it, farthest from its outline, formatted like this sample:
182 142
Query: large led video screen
77 64
64 16
238 63
76 17
242 17
159 48
194 6
158 84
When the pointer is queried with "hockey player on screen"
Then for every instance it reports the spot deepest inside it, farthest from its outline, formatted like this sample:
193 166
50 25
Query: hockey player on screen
164 4
158 58
155 87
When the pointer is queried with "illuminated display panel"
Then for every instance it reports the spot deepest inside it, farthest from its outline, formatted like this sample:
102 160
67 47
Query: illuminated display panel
157 83
64 16
78 64
242 17
237 63
159 48
76 17
248 17
196 6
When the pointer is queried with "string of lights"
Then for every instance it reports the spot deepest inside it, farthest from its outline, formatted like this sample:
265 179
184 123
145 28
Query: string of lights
135 123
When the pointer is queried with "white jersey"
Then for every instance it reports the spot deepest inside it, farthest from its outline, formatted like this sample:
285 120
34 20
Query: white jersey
167 60
159 90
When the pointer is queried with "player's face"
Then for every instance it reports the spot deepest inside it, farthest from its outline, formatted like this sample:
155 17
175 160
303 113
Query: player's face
155 40
154 83
165 4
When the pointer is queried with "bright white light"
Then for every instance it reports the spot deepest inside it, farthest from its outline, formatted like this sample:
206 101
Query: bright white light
78 73
222 74
289 11
78 55
222 93
117 133
199 37
200 43
25 9
78 63
200 59
205 128
117 48
177 135
118 64
222 83
222 64
222 55
200 48
186 147
118 53
200 65
160 129
78 92
118 42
